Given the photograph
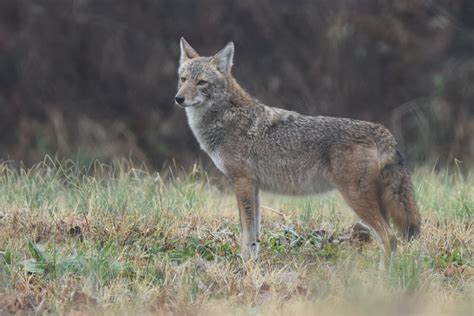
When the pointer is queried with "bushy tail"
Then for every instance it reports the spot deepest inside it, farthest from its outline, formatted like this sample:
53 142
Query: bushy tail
398 198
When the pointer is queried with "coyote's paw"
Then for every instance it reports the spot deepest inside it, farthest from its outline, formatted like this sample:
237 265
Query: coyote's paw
249 251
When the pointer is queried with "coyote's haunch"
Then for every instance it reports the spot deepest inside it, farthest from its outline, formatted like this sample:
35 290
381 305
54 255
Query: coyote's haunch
264 148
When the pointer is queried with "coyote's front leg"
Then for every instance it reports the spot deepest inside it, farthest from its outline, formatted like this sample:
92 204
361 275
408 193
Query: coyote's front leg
247 198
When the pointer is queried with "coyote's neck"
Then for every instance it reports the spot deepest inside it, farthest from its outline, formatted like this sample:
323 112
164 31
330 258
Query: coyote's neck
206 121
238 96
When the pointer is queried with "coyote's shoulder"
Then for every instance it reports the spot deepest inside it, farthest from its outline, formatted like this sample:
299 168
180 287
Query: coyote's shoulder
262 147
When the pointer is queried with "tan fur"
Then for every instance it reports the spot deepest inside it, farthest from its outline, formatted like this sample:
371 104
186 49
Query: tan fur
246 192
238 96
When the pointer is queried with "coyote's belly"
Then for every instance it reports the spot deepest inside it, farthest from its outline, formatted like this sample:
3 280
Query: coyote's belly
291 178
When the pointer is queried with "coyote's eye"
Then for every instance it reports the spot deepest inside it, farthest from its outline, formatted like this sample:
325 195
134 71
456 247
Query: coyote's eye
183 79
201 82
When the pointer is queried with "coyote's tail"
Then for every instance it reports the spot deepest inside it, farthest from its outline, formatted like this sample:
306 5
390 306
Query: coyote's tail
398 197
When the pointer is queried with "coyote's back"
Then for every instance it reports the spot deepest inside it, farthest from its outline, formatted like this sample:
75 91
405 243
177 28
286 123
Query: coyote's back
260 147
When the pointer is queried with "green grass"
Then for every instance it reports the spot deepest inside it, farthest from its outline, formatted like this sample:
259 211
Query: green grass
114 239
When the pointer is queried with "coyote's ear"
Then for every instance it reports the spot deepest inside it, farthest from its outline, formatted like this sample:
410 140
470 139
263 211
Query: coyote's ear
223 59
187 52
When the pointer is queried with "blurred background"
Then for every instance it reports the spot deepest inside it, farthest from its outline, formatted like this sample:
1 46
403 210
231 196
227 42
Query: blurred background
96 79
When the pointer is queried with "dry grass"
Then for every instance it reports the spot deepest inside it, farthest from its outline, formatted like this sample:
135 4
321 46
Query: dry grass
116 240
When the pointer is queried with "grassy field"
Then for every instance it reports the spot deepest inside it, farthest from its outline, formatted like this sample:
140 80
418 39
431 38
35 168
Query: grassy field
116 240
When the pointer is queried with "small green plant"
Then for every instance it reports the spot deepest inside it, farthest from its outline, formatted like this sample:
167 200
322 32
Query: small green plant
447 258
7 256
50 263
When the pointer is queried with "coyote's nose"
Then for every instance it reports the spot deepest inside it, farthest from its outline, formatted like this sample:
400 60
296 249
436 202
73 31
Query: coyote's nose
179 99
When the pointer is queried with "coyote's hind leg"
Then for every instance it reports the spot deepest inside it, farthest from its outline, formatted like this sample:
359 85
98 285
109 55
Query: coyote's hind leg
356 174
366 206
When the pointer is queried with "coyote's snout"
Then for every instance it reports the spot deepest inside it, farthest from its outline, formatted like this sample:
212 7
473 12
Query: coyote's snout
264 148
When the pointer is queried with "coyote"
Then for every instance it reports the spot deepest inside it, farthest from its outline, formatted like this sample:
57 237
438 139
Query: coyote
265 148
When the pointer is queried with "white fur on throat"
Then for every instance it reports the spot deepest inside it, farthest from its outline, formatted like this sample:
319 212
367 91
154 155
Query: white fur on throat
194 116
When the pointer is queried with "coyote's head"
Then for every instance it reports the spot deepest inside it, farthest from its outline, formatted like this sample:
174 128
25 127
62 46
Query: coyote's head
202 80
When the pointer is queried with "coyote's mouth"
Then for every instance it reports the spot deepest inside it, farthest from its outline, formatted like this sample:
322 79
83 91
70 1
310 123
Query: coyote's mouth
188 105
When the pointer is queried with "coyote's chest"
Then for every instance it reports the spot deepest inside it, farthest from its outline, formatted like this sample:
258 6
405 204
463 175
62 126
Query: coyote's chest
207 139
218 160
